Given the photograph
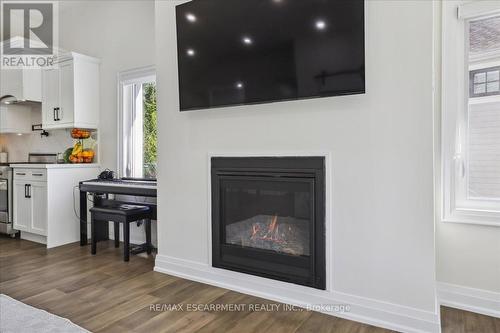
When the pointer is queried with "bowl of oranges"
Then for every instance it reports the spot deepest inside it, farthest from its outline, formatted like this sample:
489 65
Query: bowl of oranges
78 133
85 156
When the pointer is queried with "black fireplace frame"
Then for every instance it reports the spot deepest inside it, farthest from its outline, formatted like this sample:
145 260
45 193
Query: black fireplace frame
303 270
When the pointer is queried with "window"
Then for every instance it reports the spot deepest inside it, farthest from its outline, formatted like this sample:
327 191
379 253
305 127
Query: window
137 124
484 82
471 113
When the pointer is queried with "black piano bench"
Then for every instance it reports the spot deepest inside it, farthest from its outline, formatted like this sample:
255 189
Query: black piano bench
125 214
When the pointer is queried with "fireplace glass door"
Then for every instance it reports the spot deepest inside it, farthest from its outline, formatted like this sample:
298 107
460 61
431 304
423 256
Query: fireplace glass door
268 214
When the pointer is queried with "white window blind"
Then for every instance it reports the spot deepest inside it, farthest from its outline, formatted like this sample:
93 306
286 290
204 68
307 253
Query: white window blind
484 151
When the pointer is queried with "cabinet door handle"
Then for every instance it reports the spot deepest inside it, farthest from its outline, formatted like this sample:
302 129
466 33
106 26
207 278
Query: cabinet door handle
29 190
37 174
25 190
56 114
20 174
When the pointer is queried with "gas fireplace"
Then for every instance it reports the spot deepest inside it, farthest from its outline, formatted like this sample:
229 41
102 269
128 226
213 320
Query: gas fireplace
268 217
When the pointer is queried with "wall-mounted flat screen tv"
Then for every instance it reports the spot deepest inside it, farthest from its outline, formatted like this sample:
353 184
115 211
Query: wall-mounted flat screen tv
234 52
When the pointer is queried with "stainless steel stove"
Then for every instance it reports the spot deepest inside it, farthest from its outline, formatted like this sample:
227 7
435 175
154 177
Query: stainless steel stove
6 188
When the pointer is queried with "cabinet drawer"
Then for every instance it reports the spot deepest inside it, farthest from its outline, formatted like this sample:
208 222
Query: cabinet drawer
30 174
22 174
39 174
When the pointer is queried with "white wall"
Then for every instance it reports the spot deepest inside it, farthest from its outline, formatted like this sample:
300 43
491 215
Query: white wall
122 35
468 256
382 159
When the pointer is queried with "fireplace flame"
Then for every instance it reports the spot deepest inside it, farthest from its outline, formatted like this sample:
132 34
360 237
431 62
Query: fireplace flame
272 232
274 224
255 230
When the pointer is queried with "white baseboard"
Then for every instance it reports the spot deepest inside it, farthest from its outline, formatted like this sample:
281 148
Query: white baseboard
365 310
33 237
469 299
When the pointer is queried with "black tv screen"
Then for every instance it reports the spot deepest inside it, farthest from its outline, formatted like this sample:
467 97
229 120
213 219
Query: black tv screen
233 52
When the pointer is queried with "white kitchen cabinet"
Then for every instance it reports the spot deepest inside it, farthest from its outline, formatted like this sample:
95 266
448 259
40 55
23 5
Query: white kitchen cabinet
22 206
38 194
30 204
45 196
15 118
70 94
23 84
50 97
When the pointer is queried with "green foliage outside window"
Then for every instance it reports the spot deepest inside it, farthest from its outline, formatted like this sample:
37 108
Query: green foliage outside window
150 130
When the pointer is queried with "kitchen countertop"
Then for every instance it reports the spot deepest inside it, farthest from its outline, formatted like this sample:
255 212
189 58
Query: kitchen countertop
53 166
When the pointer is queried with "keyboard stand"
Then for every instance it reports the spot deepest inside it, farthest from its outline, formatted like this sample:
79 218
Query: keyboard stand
97 187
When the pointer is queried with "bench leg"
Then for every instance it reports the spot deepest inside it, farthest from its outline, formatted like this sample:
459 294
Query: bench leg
117 234
93 235
147 227
126 241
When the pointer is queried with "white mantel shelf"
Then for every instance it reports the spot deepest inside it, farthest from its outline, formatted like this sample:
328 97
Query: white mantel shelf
55 166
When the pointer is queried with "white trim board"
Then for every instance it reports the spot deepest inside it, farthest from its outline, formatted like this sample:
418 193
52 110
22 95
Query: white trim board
365 310
469 299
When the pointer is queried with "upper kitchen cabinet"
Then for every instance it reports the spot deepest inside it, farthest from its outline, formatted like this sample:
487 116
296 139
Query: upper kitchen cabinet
25 85
70 93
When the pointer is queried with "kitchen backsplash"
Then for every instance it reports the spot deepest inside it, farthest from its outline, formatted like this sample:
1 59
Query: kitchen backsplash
19 146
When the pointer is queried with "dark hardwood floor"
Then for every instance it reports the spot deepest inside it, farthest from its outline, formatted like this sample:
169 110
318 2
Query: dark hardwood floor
103 294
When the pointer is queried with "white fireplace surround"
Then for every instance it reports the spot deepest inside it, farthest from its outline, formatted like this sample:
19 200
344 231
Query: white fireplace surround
361 309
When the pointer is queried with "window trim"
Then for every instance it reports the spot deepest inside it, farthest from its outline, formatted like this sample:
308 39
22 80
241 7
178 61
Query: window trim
477 9
454 98
142 74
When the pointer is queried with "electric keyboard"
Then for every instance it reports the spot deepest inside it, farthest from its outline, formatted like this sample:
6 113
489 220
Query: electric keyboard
144 188
132 187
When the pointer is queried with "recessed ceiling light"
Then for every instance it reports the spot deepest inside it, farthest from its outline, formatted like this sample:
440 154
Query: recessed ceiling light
320 25
239 85
247 40
191 17
190 52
